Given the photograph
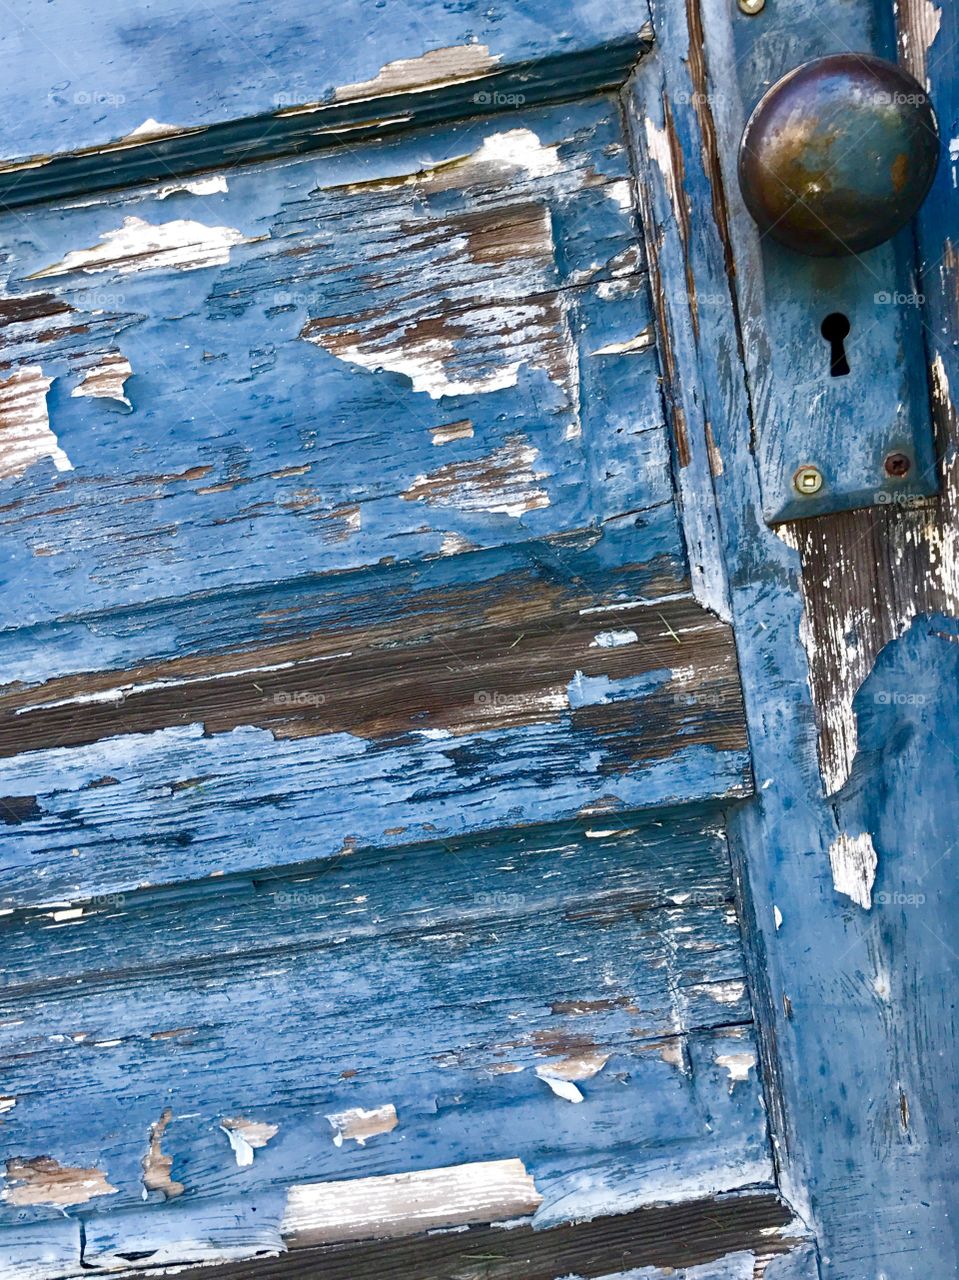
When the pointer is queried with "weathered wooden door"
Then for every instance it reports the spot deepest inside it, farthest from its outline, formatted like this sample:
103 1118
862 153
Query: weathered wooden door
463 814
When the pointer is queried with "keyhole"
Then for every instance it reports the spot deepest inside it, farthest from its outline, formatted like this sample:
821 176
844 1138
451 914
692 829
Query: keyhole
835 329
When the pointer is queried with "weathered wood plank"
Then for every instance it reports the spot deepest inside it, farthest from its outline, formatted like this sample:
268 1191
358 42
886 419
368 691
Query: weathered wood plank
634 559
427 994
460 684
343 65
334 363
708 1236
848 983
562 717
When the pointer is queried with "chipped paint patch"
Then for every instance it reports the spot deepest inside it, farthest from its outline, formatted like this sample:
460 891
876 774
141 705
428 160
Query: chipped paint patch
25 433
453 544
156 1166
503 482
738 1065
151 129
214 185
725 992
408 1203
137 245
642 342
358 1125
246 1136
106 379
43 1180
918 28
7 1103
563 1075
450 431
613 639
854 861
519 149
431 70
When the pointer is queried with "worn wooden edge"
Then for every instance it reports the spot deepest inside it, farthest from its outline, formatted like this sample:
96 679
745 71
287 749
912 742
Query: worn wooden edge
672 1235
651 125
294 130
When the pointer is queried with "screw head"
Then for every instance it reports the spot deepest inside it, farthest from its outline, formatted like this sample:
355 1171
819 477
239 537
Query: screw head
897 465
751 7
807 480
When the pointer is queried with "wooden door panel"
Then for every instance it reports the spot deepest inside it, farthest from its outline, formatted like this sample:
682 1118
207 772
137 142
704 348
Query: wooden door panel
403 350
573 998
514 641
363 743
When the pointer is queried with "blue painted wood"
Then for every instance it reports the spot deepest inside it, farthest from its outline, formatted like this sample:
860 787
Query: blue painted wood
435 981
463 411
823 946
85 85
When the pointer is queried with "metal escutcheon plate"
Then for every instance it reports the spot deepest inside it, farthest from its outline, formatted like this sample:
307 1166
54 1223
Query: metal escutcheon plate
838 155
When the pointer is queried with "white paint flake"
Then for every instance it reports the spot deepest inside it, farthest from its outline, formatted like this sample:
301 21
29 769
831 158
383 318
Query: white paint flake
245 1136
358 1125
778 918
641 342
106 379
519 149
738 1065
181 245
503 482
564 1089
25 433
151 129
854 861
620 193
408 1203
562 1075
211 186
430 70
613 639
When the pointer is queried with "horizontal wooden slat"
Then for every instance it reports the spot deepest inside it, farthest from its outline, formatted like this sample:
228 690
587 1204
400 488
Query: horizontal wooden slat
696 1234
611 711
635 558
399 351
437 992
242 82
462 683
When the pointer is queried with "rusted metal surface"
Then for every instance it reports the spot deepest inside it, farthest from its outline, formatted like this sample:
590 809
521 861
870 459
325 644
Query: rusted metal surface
838 155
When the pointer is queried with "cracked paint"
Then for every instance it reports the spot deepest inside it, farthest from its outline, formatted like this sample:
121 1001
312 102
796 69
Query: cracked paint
137 245
358 1125
854 861
247 1136
25 433
43 1180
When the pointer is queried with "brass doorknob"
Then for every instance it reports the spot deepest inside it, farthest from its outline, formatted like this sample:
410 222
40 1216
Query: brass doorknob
838 155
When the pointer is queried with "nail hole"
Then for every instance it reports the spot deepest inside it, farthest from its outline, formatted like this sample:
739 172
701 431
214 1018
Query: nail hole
835 329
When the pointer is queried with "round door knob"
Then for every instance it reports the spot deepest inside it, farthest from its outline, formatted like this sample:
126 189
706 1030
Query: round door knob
838 155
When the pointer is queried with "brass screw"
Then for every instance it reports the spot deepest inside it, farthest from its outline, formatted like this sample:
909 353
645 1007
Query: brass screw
752 7
808 480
